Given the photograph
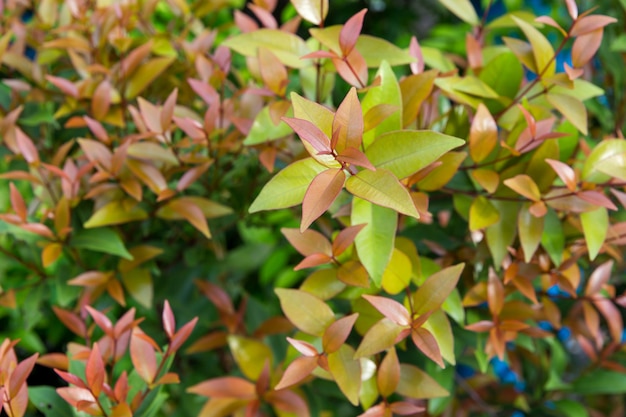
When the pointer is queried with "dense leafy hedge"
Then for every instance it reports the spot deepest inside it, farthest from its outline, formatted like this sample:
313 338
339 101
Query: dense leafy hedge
210 209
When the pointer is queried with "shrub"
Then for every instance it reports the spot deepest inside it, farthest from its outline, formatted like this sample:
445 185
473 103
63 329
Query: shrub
456 231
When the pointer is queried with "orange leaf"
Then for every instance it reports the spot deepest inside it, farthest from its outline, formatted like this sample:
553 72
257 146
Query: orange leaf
225 387
71 320
436 289
307 242
353 69
337 333
101 320
592 319
90 279
288 402
524 185
66 86
305 348
208 342
297 370
480 326
348 121
315 259
320 194
167 112
54 360
388 374
115 290
143 357
426 342
612 316
345 238
95 372
355 157
169 322
101 100
26 147
19 375
192 213
182 334
377 114
350 32
599 277
589 24
169 378
17 202
97 129
483 134
474 52
495 293
391 309
273 72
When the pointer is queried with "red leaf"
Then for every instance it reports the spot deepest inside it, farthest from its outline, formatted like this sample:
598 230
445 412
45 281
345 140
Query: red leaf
565 172
585 47
310 133
353 69
191 128
225 387
71 378
474 51
336 334
101 320
167 112
308 242
95 372
244 22
345 238
305 348
480 326
297 370
320 54
591 23
125 323
74 395
495 293
348 121
613 317
350 32
17 202
426 342
66 86
315 259
71 321
26 147
169 322
121 387
265 17
415 51
90 279
20 373
391 309
573 73
169 378
404 408
182 334
143 357
218 296
320 194
205 91
355 157
599 277
97 129
597 198
288 402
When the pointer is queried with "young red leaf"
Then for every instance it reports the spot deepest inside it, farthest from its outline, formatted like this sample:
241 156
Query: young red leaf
97 129
354 156
169 378
474 51
305 348
350 32
182 335
101 320
218 297
530 121
94 371
310 133
416 52
90 279
66 86
391 309
426 342
404 408
121 387
308 242
591 23
288 402
572 9
565 172
70 378
348 121
125 323
297 370
547 20
101 100
225 387
597 198
353 69
17 202
345 238
337 333
599 277
320 194
585 47
167 112
273 72
612 316
26 147
315 259
143 357
19 375
265 17
71 320
388 374
169 322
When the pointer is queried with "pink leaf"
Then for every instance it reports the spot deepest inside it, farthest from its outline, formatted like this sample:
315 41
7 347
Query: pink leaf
391 309
309 133
350 32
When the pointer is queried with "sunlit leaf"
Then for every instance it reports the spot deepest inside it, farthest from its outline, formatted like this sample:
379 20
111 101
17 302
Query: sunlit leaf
307 312
542 48
415 383
250 355
595 225
346 371
463 9
287 47
313 11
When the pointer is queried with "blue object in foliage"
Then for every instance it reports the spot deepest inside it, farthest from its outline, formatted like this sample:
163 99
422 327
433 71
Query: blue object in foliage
623 337
465 371
545 325
564 334
518 414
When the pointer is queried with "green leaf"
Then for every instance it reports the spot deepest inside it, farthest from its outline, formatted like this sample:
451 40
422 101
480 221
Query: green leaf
435 58
436 289
153 403
48 402
583 90
145 75
138 283
552 239
287 47
415 383
601 153
595 225
454 306
571 408
347 372
571 108
375 242
250 355
264 130
439 325
287 188
397 275
482 214
503 74
103 240
388 92
463 9
600 382
441 175
404 152
381 187
501 234
530 229
116 212
307 312
542 48
381 336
